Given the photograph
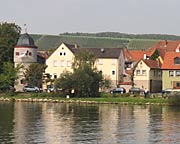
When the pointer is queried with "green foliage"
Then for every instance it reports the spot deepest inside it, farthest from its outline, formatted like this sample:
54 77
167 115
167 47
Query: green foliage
34 74
9 34
155 55
8 76
65 82
174 99
85 79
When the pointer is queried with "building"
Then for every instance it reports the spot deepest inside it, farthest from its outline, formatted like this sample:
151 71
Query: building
25 53
109 60
147 75
171 70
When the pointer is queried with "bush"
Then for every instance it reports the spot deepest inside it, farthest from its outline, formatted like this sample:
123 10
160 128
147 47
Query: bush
174 99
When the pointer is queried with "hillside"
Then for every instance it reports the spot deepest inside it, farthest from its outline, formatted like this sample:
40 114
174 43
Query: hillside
45 42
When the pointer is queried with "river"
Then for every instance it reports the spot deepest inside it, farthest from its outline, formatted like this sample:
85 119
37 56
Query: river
64 123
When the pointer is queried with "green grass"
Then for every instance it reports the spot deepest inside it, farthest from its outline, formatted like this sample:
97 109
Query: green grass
46 42
108 99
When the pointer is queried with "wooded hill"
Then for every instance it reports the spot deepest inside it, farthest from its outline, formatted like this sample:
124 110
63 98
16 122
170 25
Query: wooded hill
107 39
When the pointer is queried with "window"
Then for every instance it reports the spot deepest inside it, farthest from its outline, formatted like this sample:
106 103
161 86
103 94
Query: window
69 63
17 53
55 76
176 60
113 72
62 63
178 73
178 84
137 72
30 54
55 63
143 72
60 53
171 73
64 53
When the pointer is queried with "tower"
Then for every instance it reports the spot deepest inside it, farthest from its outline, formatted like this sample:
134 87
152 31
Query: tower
25 53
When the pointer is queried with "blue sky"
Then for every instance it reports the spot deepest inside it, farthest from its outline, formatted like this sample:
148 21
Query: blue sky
127 16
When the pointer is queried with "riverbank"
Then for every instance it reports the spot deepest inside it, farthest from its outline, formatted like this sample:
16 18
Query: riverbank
31 97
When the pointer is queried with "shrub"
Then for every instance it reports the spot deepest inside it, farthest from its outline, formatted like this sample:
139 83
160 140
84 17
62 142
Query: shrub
174 99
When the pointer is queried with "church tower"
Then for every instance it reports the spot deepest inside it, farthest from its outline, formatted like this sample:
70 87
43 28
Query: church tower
25 53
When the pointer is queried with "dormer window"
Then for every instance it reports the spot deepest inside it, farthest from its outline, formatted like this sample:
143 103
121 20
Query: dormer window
177 60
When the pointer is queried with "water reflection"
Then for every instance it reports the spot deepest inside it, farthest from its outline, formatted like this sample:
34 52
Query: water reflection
81 123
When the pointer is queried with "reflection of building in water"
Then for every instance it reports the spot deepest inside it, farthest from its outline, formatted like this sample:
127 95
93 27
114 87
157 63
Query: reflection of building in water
115 122
141 123
58 123
170 125
27 122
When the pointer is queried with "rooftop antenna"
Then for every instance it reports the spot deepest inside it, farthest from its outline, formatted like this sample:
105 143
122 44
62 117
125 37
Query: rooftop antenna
25 28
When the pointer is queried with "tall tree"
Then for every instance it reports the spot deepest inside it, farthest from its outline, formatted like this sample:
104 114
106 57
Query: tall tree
8 76
9 34
34 74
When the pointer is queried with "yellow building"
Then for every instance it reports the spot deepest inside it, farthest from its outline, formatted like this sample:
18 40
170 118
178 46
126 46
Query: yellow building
147 75
109 60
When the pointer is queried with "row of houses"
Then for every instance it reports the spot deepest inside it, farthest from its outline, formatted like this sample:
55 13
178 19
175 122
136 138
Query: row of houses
155 69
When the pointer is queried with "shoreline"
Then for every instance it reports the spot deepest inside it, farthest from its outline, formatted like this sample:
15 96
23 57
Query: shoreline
83 100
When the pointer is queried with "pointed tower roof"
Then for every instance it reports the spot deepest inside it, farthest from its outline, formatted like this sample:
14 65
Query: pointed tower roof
26 40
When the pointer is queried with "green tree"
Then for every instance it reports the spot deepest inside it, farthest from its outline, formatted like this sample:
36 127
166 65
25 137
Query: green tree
155 55
85 80
9 34
34 74
8 76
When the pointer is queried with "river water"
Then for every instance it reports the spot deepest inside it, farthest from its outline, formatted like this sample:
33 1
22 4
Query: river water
60 123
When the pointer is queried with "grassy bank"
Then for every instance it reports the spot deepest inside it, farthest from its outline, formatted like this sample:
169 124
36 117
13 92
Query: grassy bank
105 98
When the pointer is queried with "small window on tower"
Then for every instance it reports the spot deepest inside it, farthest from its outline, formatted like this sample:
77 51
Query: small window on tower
60 53
64 53
17 53
30 54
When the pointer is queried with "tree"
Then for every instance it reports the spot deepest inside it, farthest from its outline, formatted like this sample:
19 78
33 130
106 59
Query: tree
85 80
8 76
9 34
34 74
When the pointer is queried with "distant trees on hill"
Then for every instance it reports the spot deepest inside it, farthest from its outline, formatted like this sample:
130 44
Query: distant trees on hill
123 35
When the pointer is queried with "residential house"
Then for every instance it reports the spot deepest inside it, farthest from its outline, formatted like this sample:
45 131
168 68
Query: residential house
171 70
109 60
147 75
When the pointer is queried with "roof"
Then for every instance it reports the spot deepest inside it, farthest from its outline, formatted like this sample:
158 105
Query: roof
153 64
167 45
137 54
169 61
101 52
127 55
25 40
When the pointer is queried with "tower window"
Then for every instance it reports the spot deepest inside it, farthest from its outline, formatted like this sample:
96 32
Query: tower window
30 54
60 53
64 53
17 53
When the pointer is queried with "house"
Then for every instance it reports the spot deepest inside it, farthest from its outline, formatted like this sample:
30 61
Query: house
147 75
109 60
171 70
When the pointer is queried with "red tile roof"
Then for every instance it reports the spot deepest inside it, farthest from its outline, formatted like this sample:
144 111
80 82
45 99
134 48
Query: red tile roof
127 55
169 61
165 45
137 54
154 64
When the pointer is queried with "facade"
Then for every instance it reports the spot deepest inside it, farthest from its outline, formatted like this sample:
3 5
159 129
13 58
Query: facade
25 53
171 70
147 75
109 60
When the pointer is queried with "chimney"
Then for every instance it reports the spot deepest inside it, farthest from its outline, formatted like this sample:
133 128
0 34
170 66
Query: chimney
145 56
75 46
166 42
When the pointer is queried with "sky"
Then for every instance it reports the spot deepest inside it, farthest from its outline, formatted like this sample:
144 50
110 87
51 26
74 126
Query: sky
93 16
